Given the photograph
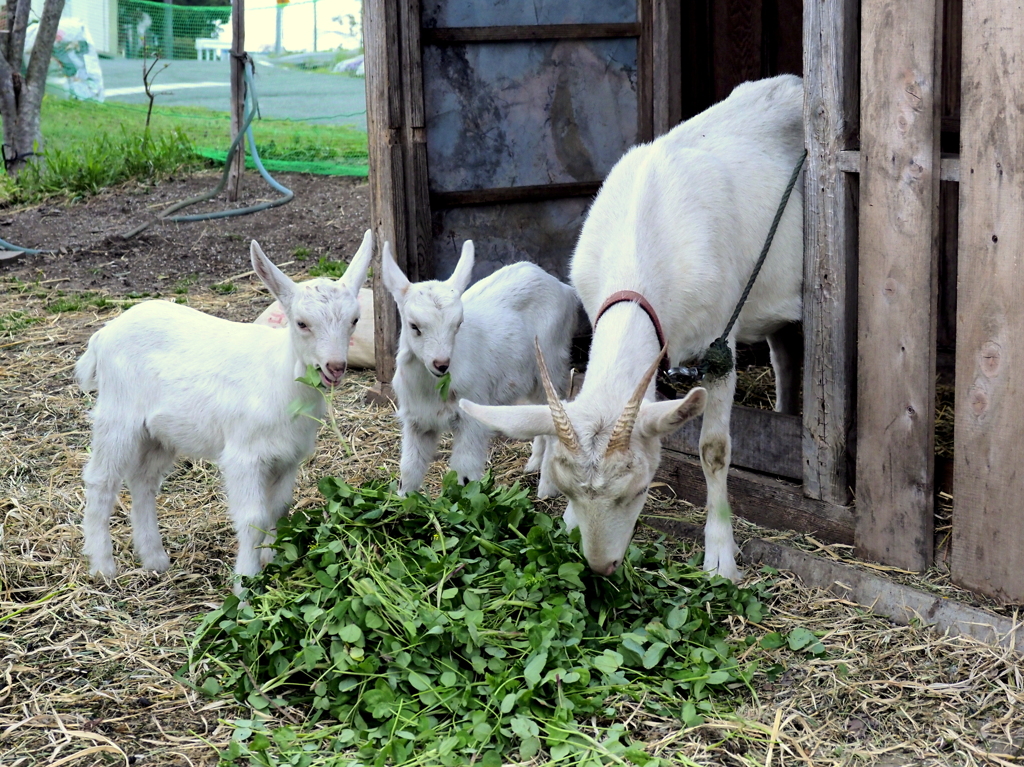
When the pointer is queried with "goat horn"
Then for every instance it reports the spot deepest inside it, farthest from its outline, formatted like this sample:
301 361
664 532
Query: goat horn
624 427
563 426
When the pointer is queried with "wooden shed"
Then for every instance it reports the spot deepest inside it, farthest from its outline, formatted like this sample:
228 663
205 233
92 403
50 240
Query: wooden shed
497 121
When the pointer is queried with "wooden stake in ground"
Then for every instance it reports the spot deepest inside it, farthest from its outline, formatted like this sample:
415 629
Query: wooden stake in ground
22 96
238 65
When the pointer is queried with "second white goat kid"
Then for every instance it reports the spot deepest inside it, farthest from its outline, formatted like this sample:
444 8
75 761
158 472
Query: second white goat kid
485 338
173 381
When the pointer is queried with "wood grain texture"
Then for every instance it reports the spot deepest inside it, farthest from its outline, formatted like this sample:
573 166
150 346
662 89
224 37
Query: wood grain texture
831 121
384 120
452 35
666 65
762 441
988 515
898 602
238 65
645 72
899 228
417 192
764 501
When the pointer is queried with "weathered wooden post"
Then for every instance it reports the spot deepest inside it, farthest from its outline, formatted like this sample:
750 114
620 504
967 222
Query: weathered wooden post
238 65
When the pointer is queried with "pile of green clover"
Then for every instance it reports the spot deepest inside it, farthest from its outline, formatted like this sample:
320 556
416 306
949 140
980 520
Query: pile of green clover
467 628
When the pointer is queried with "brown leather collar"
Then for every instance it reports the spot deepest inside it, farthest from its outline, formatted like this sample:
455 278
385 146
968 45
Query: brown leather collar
634 297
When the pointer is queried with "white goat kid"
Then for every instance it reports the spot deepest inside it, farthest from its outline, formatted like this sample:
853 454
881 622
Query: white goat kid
173 381
680 221
485 338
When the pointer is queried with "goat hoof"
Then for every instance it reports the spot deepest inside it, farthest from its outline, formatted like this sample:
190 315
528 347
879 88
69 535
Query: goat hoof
157 563
105 570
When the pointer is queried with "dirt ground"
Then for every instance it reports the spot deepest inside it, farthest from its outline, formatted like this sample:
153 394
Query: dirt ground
327 219
95 673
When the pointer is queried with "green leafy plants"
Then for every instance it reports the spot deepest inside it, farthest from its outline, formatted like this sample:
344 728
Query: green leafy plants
325 267
465 628
442 386
224 288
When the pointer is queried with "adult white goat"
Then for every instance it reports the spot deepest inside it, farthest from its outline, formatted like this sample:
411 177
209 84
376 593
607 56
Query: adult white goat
678 224
484 338
173 381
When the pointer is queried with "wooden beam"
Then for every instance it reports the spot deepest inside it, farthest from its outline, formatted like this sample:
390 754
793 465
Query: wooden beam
830 247
645 72
667 65
899 232
454 35
510 194
988 516
848 161
763 441
384 120
419 259
901 604
238 65
762 500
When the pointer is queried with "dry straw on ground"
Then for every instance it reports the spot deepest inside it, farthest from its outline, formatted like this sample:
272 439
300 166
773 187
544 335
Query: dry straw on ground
88 670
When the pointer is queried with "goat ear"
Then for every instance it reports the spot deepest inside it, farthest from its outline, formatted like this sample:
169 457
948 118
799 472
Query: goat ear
279 283
656 419
515 421
355 274
463 273
394 280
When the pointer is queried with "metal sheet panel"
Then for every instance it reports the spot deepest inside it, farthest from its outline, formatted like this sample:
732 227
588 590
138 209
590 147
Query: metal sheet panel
520 114
473 13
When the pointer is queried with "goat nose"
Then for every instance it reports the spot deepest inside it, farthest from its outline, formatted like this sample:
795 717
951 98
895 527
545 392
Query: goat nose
441 365
337 369
608 569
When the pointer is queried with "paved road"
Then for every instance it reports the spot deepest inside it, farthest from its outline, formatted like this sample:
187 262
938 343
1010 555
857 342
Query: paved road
283 93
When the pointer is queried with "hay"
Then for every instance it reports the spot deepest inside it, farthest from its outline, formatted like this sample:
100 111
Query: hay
87 670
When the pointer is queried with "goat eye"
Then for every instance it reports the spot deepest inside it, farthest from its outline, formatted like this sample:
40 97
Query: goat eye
302 325
414 327
355 321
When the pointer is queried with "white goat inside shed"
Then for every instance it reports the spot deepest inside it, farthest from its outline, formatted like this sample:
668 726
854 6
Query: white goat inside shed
678 226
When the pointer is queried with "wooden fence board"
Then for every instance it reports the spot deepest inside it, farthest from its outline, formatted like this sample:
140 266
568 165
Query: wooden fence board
762 500
988 516
763 441
899 204
830 246
384 119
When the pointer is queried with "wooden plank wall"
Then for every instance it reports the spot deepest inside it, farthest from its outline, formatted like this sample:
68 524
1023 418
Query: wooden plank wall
988 516
399 197
831 121
899 226
382 44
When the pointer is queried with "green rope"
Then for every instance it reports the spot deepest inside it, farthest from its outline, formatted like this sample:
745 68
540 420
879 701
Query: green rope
718 359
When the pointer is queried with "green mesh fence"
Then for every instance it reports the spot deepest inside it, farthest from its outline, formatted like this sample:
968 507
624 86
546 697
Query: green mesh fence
189 32
148 28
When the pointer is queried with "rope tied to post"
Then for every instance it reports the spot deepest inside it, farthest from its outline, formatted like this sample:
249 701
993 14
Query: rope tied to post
717 361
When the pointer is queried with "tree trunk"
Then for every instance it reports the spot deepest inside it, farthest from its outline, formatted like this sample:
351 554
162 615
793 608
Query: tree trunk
21 96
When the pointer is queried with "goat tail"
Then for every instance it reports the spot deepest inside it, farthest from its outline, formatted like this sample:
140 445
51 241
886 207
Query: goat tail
85 369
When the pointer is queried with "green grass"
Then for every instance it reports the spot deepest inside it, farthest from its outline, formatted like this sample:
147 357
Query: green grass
89 146
13 322
78 301
326 267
